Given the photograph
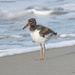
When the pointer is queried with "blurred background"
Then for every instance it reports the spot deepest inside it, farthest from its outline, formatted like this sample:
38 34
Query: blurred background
59 15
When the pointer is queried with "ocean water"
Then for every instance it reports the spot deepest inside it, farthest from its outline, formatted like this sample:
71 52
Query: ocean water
59 15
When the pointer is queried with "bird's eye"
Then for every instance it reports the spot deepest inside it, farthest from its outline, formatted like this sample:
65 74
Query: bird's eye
30 21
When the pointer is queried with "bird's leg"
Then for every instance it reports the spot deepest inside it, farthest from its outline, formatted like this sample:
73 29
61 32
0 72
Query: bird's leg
43 51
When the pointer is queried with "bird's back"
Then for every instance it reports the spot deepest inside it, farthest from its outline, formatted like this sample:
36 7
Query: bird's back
45 31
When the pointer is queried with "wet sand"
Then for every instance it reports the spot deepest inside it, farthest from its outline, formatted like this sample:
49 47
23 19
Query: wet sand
59 61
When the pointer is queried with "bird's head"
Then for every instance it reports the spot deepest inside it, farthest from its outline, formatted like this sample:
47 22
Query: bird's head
31 22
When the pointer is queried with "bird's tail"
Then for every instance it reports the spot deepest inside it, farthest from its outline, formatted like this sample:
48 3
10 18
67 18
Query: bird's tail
55 33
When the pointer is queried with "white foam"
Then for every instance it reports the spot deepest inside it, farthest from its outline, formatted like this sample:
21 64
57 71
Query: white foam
66 35
12 36
15 36
41 12
7 15
61 44
1 37
30 49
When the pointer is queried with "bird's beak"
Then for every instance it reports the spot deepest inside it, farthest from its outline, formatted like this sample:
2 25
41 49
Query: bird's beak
26 26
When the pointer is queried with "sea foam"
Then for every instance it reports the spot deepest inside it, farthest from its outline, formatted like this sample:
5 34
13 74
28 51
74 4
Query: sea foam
42 12
66 35
36 48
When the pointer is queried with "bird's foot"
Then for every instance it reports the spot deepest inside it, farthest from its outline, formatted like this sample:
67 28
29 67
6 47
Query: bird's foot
40 59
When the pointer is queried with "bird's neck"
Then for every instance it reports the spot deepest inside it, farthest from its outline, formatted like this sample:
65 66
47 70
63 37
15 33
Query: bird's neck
32 27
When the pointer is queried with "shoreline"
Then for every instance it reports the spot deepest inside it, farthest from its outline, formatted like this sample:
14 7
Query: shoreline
60 61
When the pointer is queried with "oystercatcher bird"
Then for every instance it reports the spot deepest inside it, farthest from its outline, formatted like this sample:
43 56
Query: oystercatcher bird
40 34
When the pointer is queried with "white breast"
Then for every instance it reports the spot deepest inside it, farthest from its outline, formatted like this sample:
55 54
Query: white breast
37 38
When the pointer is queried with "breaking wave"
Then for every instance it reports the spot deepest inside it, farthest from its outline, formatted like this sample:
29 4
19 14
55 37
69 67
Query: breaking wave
42 11
12 36
66 35
30 49
20 36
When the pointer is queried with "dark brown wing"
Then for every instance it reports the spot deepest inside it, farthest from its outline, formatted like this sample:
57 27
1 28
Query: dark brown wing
44 30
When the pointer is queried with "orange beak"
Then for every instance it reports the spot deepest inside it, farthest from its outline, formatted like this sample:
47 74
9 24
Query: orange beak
26 26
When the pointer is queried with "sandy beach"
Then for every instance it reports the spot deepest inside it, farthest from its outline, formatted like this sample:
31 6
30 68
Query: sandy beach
60 61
